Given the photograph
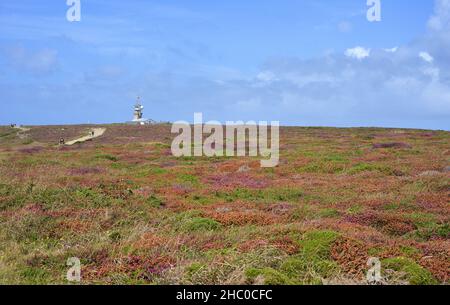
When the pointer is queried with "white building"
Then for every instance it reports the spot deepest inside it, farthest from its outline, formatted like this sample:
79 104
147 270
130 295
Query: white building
138 114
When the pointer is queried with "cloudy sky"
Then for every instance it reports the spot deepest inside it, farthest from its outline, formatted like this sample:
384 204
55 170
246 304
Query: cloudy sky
302 62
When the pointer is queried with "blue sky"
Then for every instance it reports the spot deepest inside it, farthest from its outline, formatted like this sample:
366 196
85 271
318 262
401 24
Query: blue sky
307 63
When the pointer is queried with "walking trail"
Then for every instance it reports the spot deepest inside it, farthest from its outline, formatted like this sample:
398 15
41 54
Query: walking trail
97 133
22 129
21 132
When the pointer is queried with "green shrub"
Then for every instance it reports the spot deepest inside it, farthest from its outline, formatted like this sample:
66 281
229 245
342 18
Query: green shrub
8 134
186 178
301 213
355 209
318 243
423 220
270 276
155 202
107 157
50 197
309 267
424 234
366 167
157 171
34 275
27 141
328 213
33 227
266 195
409 251
309 270
201 224
11 196
115 236
334 157
193 269
323 167
414 273
91 197
313 263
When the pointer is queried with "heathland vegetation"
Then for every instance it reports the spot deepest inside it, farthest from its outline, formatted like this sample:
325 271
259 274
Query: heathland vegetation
134 214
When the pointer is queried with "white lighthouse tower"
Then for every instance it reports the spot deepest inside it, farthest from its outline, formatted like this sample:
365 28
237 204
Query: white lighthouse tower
138 114
138 110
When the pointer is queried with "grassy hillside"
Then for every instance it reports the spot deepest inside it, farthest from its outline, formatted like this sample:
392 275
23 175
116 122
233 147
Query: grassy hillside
133 213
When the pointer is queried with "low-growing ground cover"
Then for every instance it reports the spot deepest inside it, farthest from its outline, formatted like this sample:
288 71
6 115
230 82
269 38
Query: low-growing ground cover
134 214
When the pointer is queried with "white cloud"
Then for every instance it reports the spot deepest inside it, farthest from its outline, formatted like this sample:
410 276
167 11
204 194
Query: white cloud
426 57
266 76
387 88
358 53
433 73
441 18
391 50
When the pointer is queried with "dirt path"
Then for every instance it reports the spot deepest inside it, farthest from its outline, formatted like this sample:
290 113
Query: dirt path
22 129
97 133
22 132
